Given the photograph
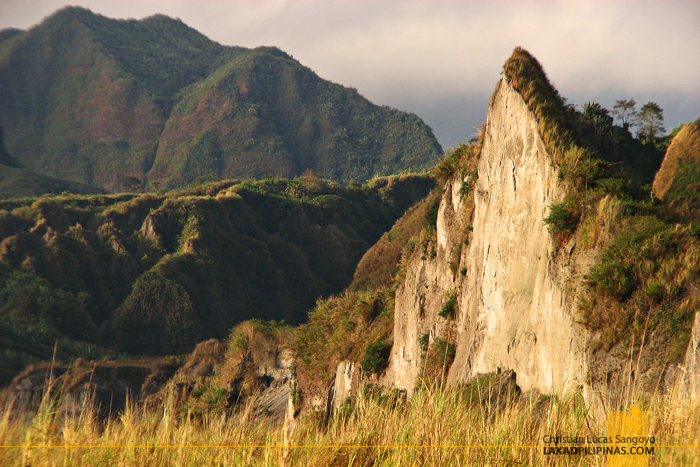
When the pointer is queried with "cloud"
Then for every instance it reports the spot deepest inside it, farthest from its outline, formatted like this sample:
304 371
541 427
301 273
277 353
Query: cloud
589 46
419 56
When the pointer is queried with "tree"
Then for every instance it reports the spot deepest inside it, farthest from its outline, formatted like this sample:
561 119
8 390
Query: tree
597 115
597 118
131 184
650 121
625 110
310 180
591 110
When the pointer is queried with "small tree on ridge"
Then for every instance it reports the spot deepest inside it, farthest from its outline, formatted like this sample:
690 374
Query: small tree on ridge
650 121
625 111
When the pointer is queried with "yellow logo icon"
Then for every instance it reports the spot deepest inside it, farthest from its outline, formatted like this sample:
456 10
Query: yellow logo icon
630 444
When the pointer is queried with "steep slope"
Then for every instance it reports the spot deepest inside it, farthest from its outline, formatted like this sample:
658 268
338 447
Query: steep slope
67 108
564 276
18 182
514 310
678 180
541 261
90 99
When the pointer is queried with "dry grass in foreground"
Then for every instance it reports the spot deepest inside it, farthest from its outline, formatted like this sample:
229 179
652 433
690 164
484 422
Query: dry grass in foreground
436 427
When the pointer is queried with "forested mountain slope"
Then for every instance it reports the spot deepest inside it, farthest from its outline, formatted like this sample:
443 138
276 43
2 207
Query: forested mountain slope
156 273
17 181
90 99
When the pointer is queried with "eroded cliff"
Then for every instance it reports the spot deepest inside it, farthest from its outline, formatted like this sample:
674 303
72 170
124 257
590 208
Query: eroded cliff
538 257
548 261
515 309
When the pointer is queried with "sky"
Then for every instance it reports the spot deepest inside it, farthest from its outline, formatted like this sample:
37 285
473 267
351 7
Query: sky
441 59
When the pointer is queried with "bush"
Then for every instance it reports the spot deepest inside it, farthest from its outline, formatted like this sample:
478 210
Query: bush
158 317
423 341
562 218
448 309
376 356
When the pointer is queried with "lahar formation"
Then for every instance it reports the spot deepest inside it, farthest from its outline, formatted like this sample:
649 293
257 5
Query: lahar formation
548 266
541 261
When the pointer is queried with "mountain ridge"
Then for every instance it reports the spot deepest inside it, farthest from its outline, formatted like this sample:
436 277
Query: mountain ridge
92 99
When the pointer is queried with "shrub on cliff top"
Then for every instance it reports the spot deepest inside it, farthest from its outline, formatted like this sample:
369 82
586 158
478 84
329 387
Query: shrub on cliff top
556 125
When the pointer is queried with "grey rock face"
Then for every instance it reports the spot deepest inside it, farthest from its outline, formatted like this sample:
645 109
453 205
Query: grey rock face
515 310
104 388
690 383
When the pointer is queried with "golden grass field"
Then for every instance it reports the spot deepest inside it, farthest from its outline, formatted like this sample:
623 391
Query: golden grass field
436 427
